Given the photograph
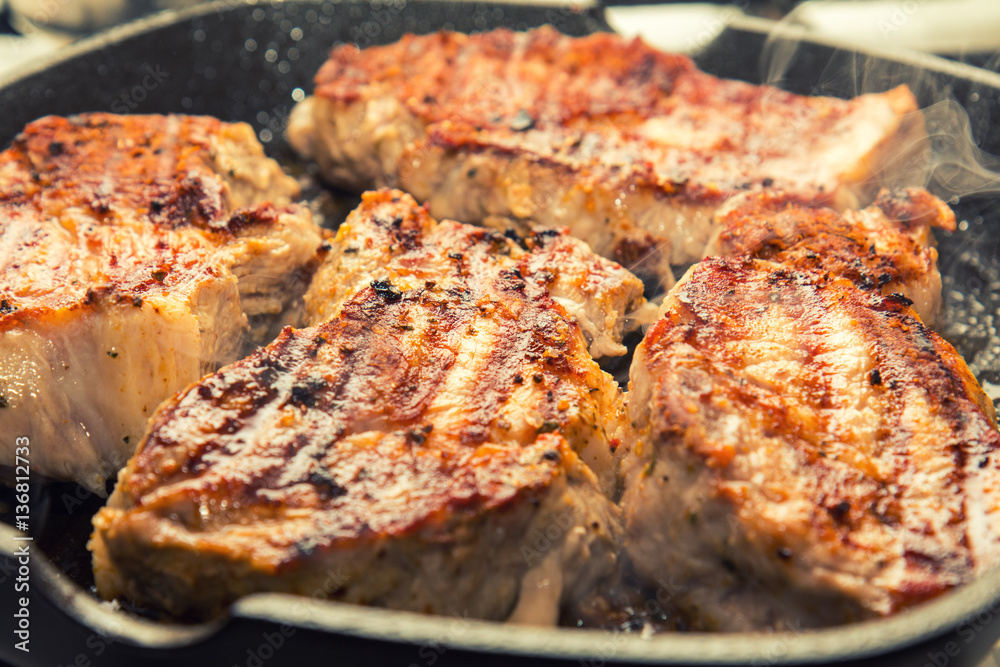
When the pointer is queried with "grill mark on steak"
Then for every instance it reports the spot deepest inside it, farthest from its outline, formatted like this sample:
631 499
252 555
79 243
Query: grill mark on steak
631 148
390 434
762 413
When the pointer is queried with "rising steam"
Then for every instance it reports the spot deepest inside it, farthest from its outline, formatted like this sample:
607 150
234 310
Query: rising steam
956 166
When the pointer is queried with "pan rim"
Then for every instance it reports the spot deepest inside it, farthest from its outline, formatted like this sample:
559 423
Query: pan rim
168 17
853 641
936 64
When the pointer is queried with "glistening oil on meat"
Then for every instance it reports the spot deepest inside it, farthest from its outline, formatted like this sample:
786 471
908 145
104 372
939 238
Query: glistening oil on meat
303 395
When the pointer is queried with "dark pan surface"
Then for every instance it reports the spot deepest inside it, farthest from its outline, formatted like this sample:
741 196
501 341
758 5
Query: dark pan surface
245 62
241 61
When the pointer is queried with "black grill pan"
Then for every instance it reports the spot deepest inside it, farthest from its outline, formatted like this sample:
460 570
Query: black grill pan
241 61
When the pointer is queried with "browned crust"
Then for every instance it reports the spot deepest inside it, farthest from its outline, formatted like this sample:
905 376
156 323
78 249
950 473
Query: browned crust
579 104
559 79
924 517
105 209
284 423
915 208
318 508
796 232
158 166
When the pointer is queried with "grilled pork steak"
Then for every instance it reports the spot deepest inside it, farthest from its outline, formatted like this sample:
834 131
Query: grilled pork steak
133 249
889 244
424 442
379 240
806 452
631 148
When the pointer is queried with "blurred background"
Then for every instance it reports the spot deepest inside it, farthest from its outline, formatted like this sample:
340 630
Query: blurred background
965 30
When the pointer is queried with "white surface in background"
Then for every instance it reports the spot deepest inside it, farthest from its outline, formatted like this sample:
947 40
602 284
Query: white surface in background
940 26
17 52
684 28
937 26
928 25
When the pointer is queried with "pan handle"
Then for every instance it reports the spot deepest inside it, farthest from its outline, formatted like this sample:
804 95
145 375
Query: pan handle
738 4
62 622
673 25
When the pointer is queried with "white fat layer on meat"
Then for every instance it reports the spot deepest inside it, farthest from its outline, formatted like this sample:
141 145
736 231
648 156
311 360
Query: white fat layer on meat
602 343
91 381
679 131
302 131
83 380
526 194
90 385
377 141
541 592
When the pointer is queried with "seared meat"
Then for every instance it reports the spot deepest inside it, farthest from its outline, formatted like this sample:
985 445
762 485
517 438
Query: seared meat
132 251
806 452
889 244
385 239
420 444
631 148
392 240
